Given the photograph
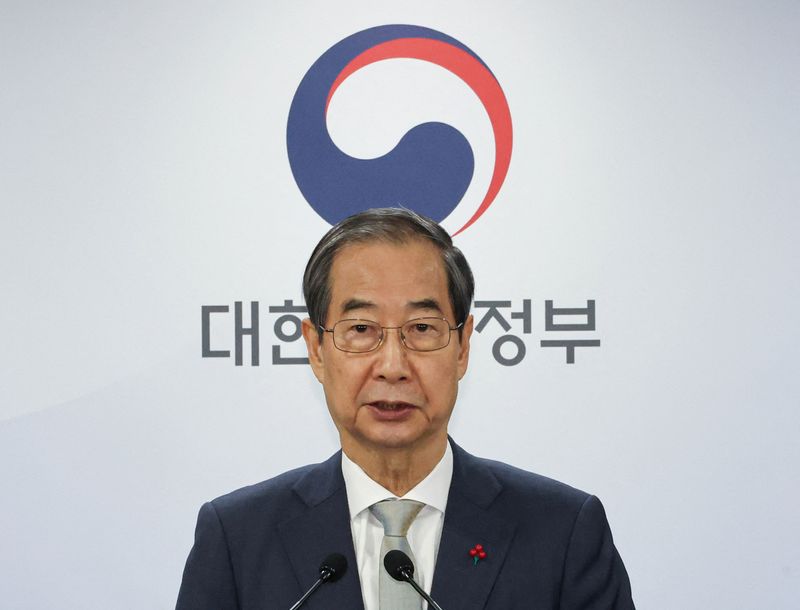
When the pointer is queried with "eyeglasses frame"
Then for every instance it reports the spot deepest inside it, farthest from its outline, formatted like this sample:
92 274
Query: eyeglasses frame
383 334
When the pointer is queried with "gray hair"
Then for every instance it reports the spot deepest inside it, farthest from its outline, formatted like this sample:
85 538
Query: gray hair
392 225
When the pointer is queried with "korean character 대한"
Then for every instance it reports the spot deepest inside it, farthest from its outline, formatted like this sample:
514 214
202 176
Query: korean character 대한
294 323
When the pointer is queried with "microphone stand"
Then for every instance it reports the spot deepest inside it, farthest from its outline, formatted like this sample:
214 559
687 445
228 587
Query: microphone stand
313 588
408 577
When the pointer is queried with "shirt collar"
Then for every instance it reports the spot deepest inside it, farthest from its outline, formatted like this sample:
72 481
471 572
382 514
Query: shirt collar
363 492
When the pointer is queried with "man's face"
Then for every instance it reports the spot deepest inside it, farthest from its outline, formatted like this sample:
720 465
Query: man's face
391 397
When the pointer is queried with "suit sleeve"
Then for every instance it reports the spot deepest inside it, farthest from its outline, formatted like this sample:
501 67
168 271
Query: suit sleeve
208 579
594 575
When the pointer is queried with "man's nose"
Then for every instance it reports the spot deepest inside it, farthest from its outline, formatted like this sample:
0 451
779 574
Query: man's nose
392 357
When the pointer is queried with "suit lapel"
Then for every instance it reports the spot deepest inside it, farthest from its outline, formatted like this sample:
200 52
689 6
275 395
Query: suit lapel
324 528
458 582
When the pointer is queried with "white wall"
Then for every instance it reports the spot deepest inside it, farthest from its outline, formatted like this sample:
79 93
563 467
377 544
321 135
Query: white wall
143 174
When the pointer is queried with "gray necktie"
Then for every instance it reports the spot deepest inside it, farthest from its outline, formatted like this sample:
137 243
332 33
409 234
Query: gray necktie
396 517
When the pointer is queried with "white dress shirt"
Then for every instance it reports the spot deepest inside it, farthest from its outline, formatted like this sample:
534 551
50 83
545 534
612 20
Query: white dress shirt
423 535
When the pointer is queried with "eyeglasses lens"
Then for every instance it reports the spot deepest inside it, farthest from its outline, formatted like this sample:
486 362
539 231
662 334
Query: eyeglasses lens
421 334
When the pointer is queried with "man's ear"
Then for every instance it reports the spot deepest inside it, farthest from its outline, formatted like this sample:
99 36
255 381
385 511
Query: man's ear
314 347
463 346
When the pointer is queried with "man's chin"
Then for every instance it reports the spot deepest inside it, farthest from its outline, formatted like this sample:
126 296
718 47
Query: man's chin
396 437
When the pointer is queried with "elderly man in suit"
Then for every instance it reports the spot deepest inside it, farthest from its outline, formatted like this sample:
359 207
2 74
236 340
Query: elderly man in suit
388 338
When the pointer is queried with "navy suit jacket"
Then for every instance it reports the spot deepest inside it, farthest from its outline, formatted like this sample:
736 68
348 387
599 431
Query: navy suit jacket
548 545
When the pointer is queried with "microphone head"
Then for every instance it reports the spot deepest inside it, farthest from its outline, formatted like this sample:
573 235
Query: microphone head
399 565
333 567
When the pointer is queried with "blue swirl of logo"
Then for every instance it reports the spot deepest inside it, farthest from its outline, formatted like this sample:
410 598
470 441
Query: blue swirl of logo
431 166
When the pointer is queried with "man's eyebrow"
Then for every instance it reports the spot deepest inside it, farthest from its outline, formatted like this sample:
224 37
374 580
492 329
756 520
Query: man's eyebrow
426 304
351 304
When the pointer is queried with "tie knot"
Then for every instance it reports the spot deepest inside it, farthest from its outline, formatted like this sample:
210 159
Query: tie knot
396 516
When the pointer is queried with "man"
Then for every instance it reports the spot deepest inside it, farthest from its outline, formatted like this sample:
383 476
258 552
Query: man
388 335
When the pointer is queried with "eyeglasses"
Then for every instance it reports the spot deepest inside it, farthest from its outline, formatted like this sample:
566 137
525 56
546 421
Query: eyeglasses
420 334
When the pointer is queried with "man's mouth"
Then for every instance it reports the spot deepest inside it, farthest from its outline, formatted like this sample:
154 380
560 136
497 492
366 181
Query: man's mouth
385 405
391 410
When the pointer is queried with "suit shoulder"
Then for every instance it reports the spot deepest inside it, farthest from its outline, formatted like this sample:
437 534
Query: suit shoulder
523 484
276 491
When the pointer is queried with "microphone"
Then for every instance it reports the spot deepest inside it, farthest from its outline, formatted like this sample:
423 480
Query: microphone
400 567
331 569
